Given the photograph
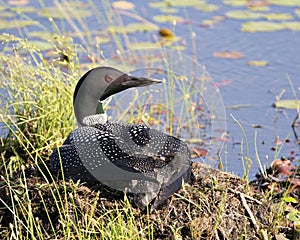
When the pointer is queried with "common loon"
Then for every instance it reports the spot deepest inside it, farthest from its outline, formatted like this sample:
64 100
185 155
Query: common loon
145 163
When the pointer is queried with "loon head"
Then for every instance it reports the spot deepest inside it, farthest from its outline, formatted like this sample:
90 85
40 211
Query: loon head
97 85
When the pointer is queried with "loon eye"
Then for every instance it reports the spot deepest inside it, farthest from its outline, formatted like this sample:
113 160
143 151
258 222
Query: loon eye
108 78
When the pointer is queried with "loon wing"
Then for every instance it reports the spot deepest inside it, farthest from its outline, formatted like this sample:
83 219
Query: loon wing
143 161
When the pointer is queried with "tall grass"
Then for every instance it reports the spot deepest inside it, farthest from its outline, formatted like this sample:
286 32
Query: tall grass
37 111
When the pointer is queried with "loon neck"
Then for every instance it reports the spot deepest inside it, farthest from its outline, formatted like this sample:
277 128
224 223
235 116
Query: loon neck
86 100
95 119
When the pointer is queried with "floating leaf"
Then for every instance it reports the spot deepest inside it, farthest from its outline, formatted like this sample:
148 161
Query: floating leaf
229 54
258 63
158 4
262 26
41 45
259 8
18 2
140 45
289 104
244 14
168 10
22 9
124 5
185 3
212 22
236 3
7 14
207 7
132 27
102 40
294 26
178 48
278 16
285 2
71 12
17 23
41 34
167 18
164 32
207 23
297 12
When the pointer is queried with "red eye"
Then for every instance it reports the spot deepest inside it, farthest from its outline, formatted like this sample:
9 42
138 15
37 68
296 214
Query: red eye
108 78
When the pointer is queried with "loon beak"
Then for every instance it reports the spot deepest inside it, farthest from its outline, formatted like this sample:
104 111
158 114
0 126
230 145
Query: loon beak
126 81
140 82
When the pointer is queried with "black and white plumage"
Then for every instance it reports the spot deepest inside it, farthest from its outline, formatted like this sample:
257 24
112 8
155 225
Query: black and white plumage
143 162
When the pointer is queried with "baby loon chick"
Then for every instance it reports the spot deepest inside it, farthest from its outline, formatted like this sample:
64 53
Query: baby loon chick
146 164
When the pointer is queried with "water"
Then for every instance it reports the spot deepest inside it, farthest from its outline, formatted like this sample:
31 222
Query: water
249 92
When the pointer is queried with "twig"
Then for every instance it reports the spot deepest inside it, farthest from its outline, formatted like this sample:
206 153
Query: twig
264 234
246 206
216 234
223 233
246 196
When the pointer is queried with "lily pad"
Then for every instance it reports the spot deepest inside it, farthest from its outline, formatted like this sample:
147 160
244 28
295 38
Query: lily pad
207 7
41 45
167 18
229 55
289 104
23 9
244 14
158 4
259 8
236 3
18 2
262 26
212 22
258 63
133 27
294 26
185 3
140 45
177 3
124 5
164 42
278 16
289 3
4 24
41 34
207 23
168 10
7 14
102 40
69 12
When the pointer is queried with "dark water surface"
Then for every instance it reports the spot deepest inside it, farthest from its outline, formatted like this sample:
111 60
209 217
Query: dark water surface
248 92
